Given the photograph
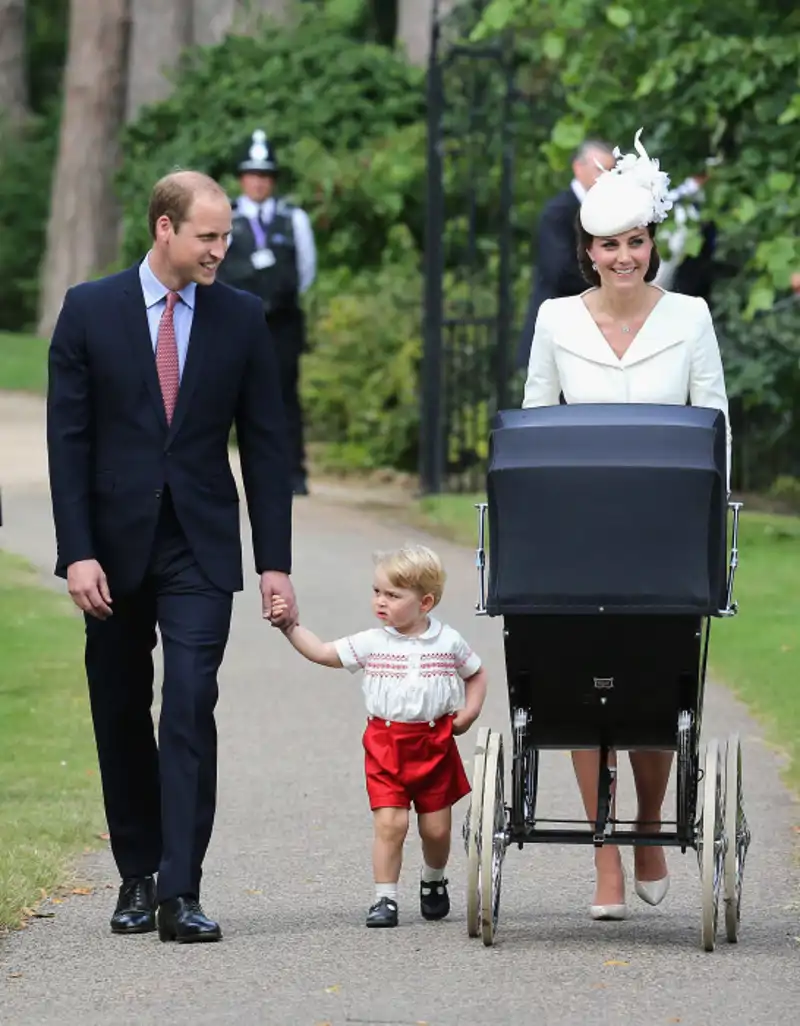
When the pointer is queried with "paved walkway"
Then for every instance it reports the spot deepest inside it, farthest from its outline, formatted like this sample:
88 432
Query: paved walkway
288 873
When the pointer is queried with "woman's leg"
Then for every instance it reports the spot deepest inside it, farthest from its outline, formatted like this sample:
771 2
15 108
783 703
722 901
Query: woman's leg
651 774
610 889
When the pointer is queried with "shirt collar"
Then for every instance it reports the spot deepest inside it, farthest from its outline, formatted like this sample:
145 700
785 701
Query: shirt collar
249 208
155 292
433 630
578 189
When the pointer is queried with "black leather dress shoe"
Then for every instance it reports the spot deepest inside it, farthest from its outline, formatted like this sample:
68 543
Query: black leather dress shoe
136 906
183 920
299 484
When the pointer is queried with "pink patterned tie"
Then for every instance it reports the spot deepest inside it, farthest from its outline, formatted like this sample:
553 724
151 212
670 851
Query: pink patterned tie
167 357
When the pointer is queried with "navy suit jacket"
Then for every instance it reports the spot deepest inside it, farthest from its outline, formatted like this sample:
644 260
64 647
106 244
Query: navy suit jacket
558 273
112 453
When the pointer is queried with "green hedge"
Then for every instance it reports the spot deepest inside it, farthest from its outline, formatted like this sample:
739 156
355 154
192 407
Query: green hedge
360 378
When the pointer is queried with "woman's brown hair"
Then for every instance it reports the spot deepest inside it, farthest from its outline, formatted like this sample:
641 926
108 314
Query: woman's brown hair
585 261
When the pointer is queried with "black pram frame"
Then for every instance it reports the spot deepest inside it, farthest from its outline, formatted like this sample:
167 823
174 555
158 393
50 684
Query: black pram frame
615 669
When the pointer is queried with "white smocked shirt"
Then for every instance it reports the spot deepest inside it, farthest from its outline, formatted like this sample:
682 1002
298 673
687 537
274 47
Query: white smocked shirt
409 679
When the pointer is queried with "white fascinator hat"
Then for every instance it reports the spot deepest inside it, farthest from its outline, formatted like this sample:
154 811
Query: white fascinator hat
633 194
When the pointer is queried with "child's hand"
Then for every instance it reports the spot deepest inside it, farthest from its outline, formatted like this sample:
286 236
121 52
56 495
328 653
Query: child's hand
279 607
462 721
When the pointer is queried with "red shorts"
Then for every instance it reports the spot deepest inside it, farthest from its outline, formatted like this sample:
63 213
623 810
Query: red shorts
413 762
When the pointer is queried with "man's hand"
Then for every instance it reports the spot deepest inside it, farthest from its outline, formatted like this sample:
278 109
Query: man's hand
88 587
277 585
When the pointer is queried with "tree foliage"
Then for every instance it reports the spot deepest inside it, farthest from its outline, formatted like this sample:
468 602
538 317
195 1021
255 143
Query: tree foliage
717 81
346 118
706 81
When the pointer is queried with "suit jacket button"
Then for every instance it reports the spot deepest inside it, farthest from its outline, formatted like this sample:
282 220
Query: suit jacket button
158 493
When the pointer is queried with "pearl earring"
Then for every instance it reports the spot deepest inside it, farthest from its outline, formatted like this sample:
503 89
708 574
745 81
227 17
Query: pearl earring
594 266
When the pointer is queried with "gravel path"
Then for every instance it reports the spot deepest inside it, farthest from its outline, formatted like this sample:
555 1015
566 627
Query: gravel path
288 872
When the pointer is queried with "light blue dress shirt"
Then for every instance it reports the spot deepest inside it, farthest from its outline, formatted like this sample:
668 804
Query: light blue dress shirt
155 299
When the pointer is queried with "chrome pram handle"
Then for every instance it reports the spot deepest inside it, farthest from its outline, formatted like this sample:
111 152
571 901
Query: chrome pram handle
480 558
731 607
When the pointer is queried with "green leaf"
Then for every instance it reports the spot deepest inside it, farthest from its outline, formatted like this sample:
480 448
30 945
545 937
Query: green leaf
619 16
568 134
762 296
553 46
780 181
746 210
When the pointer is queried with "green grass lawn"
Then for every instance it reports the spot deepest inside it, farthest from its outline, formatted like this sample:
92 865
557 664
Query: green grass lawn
23 363
757 653
50 808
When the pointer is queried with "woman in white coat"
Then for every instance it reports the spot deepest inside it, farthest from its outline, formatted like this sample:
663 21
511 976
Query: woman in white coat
625 340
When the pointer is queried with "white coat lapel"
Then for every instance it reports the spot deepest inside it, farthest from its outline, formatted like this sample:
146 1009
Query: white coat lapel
580 336
647 345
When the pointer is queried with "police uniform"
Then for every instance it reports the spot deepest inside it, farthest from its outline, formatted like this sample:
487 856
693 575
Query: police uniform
272 254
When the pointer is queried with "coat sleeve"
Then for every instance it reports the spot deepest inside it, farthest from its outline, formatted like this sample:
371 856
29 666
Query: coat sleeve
69 435
542 387
263 448
706 376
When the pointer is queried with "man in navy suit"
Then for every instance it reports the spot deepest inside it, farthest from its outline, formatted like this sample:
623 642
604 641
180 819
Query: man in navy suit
148 371
557 271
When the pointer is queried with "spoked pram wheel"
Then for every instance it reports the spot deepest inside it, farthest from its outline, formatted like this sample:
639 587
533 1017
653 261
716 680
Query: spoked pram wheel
737 835
472 835
711 842
493 837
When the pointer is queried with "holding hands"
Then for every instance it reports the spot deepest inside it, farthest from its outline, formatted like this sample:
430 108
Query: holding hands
276 586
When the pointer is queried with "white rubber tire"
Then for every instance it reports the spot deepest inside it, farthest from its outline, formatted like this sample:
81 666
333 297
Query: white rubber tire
711 835
473 837
493 815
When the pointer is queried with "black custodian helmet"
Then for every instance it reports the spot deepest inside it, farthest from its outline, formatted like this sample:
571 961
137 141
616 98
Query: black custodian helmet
258 155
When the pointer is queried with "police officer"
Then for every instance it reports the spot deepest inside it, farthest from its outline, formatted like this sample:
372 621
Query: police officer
272 254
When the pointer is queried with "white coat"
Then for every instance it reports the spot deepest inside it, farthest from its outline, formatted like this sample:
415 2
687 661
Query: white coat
673 358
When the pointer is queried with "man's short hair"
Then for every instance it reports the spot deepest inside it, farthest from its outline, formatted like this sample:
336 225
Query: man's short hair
592 144
173 195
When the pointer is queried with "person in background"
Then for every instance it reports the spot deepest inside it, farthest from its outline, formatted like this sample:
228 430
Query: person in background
273 255
557 273
688 275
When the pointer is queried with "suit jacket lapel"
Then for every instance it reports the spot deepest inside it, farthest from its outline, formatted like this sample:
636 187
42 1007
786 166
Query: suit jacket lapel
138 331
199 340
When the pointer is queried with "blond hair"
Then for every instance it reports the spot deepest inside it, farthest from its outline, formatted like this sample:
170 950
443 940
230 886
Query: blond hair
415 567
173 195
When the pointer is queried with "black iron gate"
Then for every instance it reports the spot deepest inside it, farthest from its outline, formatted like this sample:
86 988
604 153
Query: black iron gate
468 317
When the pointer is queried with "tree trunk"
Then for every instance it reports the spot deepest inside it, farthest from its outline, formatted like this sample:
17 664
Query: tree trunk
160 31
82 230
13 72
215 19
414 26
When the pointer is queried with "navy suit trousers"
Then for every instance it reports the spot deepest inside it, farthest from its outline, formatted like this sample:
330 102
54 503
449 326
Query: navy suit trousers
160 800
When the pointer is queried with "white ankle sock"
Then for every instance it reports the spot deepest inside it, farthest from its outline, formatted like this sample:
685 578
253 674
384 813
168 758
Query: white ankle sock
386 890
431 875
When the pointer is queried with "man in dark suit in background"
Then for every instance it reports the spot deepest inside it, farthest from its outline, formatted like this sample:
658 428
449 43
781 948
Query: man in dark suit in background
148 370
557 273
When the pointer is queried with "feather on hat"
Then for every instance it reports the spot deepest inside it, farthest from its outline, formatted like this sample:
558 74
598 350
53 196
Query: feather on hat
633 194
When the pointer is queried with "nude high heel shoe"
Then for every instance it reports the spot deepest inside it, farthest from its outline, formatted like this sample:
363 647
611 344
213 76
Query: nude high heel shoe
611 912
652 891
